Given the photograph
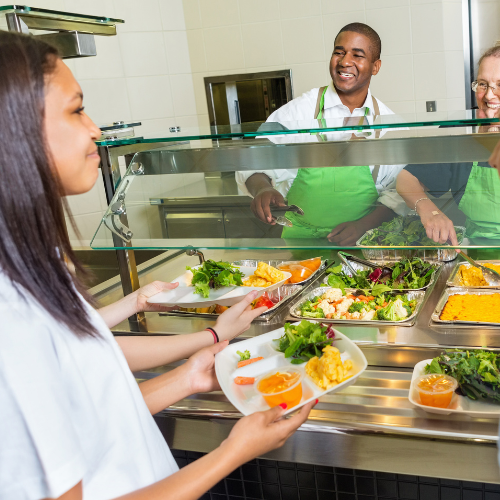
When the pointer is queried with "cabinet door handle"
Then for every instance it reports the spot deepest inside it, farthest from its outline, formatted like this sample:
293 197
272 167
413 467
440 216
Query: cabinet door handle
226 220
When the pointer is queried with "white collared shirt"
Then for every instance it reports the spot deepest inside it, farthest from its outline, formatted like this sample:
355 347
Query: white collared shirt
302 110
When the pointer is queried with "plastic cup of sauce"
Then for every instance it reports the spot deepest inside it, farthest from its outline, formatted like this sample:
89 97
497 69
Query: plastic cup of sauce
282 386
436 389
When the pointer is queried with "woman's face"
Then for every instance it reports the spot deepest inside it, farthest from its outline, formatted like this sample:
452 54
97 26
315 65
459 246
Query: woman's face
489 73
70 132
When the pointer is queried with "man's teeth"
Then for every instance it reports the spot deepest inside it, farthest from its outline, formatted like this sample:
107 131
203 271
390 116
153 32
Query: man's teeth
493 106
347 75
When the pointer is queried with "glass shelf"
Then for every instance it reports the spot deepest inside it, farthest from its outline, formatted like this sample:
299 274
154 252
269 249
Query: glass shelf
368 125
153 208
56 14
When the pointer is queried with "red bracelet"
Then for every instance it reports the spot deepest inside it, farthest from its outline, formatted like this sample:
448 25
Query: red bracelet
214 333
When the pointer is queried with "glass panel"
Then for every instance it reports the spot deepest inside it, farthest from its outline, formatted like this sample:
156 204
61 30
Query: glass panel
56 14
308 127
350 207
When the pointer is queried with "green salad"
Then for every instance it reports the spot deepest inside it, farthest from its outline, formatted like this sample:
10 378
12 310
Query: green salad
302 342
477 372
406 274
401 231
214 275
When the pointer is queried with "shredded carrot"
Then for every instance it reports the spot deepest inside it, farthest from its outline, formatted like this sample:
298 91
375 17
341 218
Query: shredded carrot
484 308
370 298
248 361
378 307
244 380
361 297
384 304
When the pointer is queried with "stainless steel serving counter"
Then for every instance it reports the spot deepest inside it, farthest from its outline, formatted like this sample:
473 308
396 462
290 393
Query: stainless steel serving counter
371 425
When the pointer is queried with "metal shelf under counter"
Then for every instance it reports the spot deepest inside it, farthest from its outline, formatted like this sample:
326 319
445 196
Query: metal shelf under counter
371 425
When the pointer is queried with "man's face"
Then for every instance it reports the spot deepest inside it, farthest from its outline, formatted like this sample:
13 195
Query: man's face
352 64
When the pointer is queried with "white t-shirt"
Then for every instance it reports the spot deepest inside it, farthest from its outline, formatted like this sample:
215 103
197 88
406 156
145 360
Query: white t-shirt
70 410
301 110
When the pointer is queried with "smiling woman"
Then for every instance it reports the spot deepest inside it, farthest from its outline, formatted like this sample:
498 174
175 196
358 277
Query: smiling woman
74 422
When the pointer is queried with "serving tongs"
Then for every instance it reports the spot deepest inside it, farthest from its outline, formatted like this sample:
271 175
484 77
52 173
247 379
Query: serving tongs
278 214
492 277
346 257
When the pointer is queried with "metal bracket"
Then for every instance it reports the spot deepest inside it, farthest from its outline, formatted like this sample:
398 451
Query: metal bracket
193 251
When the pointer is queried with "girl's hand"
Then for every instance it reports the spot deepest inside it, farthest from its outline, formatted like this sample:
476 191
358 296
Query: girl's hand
237 318
200 369
146 292
264 431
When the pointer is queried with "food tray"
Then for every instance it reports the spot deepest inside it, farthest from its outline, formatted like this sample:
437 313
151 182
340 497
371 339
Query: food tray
245 397
276 263
184 295
393 253
460 405
460 291
360 267
295 309
285 293
454 279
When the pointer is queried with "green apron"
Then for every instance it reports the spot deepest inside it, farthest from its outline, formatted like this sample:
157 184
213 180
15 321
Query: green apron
481 203
329 196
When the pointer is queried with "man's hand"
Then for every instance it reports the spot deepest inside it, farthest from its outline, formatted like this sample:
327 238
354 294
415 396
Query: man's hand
263 200
347 233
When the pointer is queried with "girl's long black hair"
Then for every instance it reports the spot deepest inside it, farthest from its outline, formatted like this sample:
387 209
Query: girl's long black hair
33 237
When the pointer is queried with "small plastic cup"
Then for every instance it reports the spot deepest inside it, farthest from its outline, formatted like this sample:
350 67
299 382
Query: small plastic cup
435 389
277 390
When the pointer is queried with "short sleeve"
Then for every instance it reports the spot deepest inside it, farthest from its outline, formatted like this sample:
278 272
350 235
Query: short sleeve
436 178
40 453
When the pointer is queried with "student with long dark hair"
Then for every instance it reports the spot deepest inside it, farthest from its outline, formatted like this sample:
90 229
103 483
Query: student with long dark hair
73 422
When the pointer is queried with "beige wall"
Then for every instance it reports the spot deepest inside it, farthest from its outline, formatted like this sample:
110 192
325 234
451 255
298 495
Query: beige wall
153 70
422 54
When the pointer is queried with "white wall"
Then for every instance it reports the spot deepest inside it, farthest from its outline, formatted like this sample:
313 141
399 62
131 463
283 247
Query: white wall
422 54
153 70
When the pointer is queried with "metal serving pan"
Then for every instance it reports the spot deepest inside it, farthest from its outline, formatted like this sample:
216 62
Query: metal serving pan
276 263
285 293
295 309
360 267
454 278
460 291
393 253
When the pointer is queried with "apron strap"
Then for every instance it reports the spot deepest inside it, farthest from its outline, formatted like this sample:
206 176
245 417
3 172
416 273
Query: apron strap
376 108
318 102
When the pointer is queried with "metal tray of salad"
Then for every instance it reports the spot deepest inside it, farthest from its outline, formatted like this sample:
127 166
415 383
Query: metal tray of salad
404 231
415 273
314 265
331 305
455 278
278 297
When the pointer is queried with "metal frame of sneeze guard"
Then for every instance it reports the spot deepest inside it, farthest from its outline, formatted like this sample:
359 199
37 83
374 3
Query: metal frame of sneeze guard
176 153
72 34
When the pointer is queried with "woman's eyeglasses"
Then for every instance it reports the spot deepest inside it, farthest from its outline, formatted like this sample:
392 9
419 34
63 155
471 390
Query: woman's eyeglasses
483 88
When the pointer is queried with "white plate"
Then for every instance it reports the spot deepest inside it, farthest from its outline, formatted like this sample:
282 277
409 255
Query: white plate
246 398
460 405
184 295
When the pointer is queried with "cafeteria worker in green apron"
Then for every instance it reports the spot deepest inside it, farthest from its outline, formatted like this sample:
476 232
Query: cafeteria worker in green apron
475 186
339 203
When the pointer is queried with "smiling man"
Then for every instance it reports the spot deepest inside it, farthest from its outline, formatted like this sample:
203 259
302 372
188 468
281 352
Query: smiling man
339 203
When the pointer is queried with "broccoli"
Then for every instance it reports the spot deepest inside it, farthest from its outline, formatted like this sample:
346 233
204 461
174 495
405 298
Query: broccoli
318 313
394 311
244 355
357 307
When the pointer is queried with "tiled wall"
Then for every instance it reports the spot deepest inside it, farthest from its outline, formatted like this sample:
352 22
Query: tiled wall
153 70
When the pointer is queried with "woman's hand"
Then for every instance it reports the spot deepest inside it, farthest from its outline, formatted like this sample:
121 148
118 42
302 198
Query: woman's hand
261 432
438 227
200 369
237 319
146 292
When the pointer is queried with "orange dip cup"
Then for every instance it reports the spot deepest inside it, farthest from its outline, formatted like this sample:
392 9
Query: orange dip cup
436 389
282 386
